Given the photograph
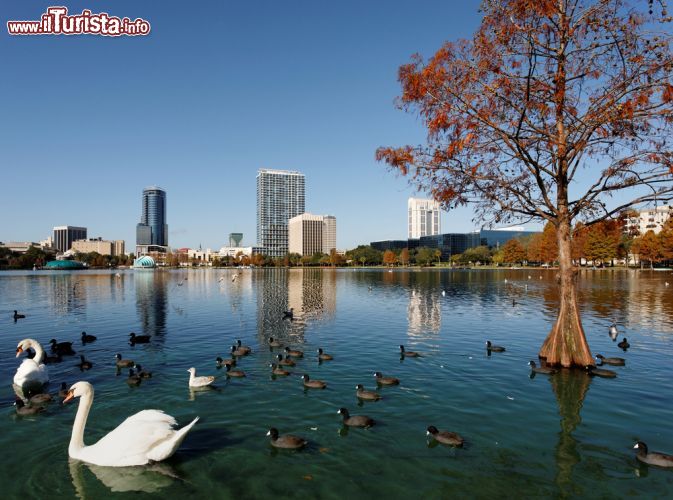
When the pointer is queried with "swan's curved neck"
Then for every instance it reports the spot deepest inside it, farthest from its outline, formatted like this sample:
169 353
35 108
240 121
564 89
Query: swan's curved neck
39 353
77 437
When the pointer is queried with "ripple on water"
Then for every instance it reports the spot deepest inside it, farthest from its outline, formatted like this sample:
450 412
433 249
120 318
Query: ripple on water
537 436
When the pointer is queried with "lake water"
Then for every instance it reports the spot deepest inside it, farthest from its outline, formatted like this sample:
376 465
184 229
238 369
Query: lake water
568 435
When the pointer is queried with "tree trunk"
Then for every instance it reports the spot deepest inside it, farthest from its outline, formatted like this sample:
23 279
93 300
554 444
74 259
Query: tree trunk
566 344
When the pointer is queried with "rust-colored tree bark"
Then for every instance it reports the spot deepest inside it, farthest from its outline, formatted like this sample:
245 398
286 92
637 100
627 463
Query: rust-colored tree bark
544 90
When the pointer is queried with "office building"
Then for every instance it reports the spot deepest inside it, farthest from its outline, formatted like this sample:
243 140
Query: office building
424 217
235 239
99 245
65 235
280 196
309 234
152 231
305 234
328 234
455 243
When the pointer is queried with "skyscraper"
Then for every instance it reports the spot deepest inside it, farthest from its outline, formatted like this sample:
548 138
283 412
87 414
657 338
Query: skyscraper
280 196
65 235
424 217
152 231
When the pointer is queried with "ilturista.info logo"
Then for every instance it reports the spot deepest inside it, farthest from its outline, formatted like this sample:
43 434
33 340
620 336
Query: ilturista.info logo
57 21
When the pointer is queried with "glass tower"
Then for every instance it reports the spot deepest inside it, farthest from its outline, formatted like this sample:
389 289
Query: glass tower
280 196
152 231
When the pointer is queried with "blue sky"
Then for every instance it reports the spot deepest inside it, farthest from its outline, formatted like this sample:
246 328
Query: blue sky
218 90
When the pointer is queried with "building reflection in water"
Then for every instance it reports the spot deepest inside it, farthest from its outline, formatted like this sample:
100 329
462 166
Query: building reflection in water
152 300
424 312
68 293
311 292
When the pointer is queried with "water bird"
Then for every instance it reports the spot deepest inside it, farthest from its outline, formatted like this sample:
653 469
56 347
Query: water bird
445 437
381 380
529 276
666 283
133 378
123 363
142 372
277 370
410 354
312 384
610 361
443 293
505 280
235 351
295 353
31 372
653 457
148 436
544 370
139 339
225 362
61 347
41 398
274 343
514 302
289 314
322 356
88 338
355 420
369 288
285 361
363 393
48 359
118 275
18 316
624 344
613 332
234 373
26 410
600 372
246 349
202 381
84 364
286 441
494 348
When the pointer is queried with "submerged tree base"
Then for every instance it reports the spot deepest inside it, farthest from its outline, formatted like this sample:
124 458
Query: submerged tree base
566 344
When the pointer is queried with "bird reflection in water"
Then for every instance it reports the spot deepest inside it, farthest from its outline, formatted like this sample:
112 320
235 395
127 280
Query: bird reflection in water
145 478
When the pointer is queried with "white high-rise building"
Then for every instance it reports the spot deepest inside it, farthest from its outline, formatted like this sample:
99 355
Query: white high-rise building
309 234
280 196
424 217
649 219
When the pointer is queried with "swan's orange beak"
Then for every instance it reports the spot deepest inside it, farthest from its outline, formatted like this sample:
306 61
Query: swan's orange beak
19 350
70 396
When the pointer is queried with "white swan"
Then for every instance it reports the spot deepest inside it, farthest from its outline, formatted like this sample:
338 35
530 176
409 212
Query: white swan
146 436
31 372
195 381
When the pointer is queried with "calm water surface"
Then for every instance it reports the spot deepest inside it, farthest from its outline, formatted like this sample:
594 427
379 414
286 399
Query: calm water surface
564 436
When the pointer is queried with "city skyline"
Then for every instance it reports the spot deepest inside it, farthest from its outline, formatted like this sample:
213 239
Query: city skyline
201 127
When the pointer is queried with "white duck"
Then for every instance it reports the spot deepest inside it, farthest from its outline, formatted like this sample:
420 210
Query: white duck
195 381
146 436
31 372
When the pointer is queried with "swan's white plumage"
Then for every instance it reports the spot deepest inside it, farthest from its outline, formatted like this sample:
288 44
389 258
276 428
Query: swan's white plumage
31 371
141 438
